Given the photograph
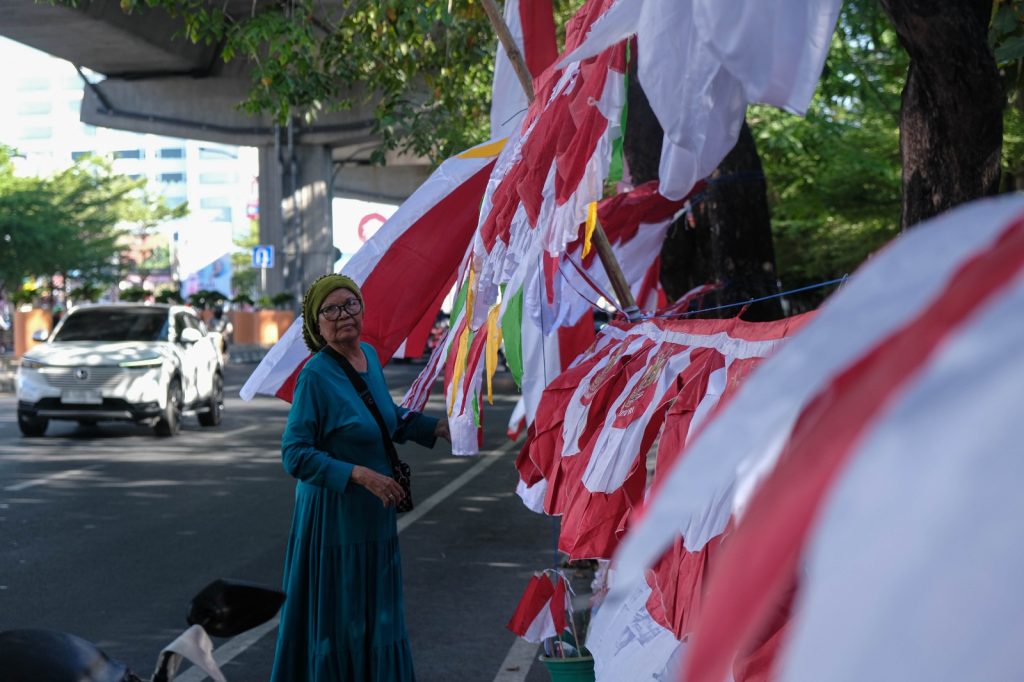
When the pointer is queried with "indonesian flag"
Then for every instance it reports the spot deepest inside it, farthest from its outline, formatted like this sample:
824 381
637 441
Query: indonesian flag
532 25
702 61
417 250
597 421
871 471
542 610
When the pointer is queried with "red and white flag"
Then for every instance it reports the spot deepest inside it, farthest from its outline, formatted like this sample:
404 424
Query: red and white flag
597 420
702 61
532 25
871 469
421 247
542 612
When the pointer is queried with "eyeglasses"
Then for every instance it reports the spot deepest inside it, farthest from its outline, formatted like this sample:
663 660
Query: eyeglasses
352 307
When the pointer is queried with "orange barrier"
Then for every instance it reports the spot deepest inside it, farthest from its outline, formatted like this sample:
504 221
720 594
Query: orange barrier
27 323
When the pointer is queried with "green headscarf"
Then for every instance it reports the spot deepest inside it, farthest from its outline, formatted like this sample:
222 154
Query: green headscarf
314 298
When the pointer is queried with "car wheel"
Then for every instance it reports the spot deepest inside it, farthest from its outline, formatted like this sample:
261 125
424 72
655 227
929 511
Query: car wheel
170 421
30 426
212 416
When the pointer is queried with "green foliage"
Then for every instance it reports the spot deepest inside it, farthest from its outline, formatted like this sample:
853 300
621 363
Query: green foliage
244 277
73 222
834 176
134 294
205 299
168 296
26 296
264 302
242 299
1006 37
423 67
282 300
87 292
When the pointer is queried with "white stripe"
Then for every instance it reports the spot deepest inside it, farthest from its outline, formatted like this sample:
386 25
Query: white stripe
917 554
45 480
486 460
229 651
518 661
421 509
278 364
446 179
728 459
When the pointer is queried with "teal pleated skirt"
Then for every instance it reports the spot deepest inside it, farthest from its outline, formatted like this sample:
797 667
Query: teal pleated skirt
343 619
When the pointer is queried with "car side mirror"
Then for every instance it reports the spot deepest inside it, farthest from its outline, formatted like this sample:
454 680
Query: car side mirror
190 335
40 335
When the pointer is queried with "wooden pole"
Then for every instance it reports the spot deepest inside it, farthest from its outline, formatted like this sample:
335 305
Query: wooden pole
600 240
511 49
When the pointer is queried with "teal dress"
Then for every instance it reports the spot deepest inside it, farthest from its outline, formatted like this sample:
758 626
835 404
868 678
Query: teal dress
343 619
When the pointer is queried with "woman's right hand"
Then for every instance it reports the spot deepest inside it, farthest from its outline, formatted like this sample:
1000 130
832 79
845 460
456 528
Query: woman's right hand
384 487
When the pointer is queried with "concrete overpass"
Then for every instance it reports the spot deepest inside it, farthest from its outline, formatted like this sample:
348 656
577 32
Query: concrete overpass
156 81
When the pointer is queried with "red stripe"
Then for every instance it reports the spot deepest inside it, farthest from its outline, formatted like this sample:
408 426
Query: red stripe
759 562
539 43
575 339
287 390
405 283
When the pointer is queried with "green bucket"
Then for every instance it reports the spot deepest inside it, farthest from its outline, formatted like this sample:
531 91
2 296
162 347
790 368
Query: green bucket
576 669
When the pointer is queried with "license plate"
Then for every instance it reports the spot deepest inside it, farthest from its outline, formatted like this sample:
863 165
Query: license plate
81 397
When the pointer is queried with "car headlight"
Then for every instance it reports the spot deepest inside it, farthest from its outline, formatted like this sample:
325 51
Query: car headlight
142 364
26 363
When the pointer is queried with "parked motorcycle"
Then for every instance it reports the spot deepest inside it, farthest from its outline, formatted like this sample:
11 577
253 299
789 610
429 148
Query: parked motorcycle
221 609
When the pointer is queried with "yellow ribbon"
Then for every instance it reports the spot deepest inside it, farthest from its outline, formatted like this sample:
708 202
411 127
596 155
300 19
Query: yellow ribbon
493 341
484 151
460 367
591 225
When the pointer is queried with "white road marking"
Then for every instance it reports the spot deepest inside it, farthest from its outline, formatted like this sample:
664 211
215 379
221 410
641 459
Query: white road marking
516 665
61 475
239 644
462 479
235 432
230 650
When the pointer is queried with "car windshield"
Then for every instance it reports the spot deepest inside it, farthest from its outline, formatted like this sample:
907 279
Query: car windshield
106 324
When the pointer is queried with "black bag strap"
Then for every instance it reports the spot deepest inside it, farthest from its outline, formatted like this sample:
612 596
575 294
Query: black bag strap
364 392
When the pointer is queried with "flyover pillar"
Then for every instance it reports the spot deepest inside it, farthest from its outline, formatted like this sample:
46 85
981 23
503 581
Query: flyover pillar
295 215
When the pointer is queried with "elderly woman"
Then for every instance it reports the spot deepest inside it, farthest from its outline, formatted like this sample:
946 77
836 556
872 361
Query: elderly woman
344 617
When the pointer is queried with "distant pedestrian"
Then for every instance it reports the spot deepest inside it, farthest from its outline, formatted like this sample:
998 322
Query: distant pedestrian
344 619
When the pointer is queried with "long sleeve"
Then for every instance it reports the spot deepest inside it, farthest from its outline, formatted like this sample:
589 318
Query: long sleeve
414 426
299 454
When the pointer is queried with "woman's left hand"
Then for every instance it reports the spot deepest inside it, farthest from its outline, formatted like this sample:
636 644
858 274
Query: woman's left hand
441 430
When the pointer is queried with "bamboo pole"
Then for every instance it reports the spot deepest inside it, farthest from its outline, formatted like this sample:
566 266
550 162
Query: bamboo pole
600 240
511 49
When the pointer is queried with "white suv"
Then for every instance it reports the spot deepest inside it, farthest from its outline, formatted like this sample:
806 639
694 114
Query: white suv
142 363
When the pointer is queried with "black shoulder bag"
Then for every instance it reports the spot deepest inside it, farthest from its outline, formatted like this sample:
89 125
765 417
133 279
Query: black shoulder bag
399 470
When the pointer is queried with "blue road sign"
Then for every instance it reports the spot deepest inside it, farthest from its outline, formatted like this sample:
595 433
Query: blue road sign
263 256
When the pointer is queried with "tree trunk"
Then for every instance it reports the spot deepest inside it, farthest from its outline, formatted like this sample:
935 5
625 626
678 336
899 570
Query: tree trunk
727 238
951 125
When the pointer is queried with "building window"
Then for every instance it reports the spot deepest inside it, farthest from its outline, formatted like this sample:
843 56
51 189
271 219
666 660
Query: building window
78 156
37 133
128 154
175 202
171 153
34 108
214 202
33 85
217 178
172 177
